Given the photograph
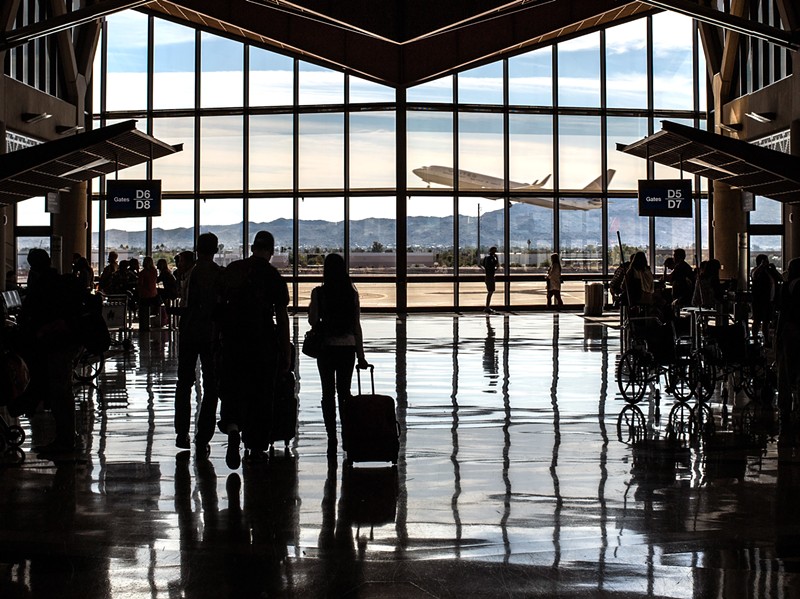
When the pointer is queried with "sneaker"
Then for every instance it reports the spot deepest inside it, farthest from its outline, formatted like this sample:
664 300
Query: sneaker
232 458
182 441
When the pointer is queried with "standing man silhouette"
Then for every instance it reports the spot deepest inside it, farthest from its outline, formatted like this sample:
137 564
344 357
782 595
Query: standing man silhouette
490 264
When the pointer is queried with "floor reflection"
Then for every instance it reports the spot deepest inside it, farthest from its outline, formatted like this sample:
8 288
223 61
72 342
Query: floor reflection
522 472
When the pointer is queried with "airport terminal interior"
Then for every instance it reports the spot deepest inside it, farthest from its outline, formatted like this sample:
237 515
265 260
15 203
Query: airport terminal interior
545 451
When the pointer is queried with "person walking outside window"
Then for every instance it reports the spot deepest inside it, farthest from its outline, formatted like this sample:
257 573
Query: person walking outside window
553 278
490 264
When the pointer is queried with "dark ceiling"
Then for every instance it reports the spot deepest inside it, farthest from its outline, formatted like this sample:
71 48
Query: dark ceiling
402 42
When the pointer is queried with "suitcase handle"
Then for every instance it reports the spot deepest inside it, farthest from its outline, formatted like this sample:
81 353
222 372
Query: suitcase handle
371 376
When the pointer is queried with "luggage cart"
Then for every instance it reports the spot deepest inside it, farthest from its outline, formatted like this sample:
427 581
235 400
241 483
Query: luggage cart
115 313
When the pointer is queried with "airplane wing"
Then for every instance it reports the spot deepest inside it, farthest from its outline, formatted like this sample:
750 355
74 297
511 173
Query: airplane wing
533 186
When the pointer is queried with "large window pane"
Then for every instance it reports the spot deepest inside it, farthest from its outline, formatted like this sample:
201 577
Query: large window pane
530 150
221 142
673 233
319 85
222 83
672 61
429 143
479 219
362 90
634 230
177 170
581 241
31 213
430 235
275 215
271 139
322 151
126 236
320 232
173 65
372 150
626 65
628 169
440 90
173 231
271 77
127 61
579 71
771 245
223 217
531 78
480 148
579 151
531 235
483 85
97 78
767 212
373 249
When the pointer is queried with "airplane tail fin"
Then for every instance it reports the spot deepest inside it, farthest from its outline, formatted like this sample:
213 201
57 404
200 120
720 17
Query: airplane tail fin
535 185
597 184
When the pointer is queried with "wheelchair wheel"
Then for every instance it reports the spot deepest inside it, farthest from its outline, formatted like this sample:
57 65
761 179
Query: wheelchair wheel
88 366
632 374
681 381
752 379
703 374
631 426
14 435
681 421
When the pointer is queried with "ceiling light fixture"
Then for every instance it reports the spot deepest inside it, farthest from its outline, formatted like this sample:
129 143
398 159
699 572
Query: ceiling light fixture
761 117
66 129
35 117
731 128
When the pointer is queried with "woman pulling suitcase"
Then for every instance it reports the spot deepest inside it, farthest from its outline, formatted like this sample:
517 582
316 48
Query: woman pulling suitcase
335 314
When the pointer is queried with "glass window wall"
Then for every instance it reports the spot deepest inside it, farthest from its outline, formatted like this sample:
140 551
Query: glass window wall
492 140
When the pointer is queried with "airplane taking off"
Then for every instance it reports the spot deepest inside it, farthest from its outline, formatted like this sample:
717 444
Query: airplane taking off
467 180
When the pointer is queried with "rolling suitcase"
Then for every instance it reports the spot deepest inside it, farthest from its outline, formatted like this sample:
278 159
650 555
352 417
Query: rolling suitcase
285 407
370 430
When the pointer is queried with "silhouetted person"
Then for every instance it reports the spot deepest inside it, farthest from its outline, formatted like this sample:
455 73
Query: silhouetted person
147 292
11 280
787 343
255 346
83 272
617 283
708 289
198 339
639 285
682 280
763 287
105 282
49 335
553 278
490 264
169 284
336 309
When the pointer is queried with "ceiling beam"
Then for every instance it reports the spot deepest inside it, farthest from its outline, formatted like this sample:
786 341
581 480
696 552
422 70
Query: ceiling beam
17 37
790 14
773 35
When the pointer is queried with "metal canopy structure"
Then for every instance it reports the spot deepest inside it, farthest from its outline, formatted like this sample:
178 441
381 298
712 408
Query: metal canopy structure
60 164
740 164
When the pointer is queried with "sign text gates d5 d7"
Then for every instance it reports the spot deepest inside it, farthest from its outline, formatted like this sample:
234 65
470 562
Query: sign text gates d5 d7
665 197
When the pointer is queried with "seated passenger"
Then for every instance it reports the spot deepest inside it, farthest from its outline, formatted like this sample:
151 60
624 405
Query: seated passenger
708 291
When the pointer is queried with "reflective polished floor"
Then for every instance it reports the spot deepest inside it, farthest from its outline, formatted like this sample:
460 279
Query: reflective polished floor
516 478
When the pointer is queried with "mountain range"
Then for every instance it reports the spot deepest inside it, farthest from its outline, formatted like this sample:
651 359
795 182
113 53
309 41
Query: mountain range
579 229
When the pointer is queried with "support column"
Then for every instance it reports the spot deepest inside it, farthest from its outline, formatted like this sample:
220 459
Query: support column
791 212
70 223
729 222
